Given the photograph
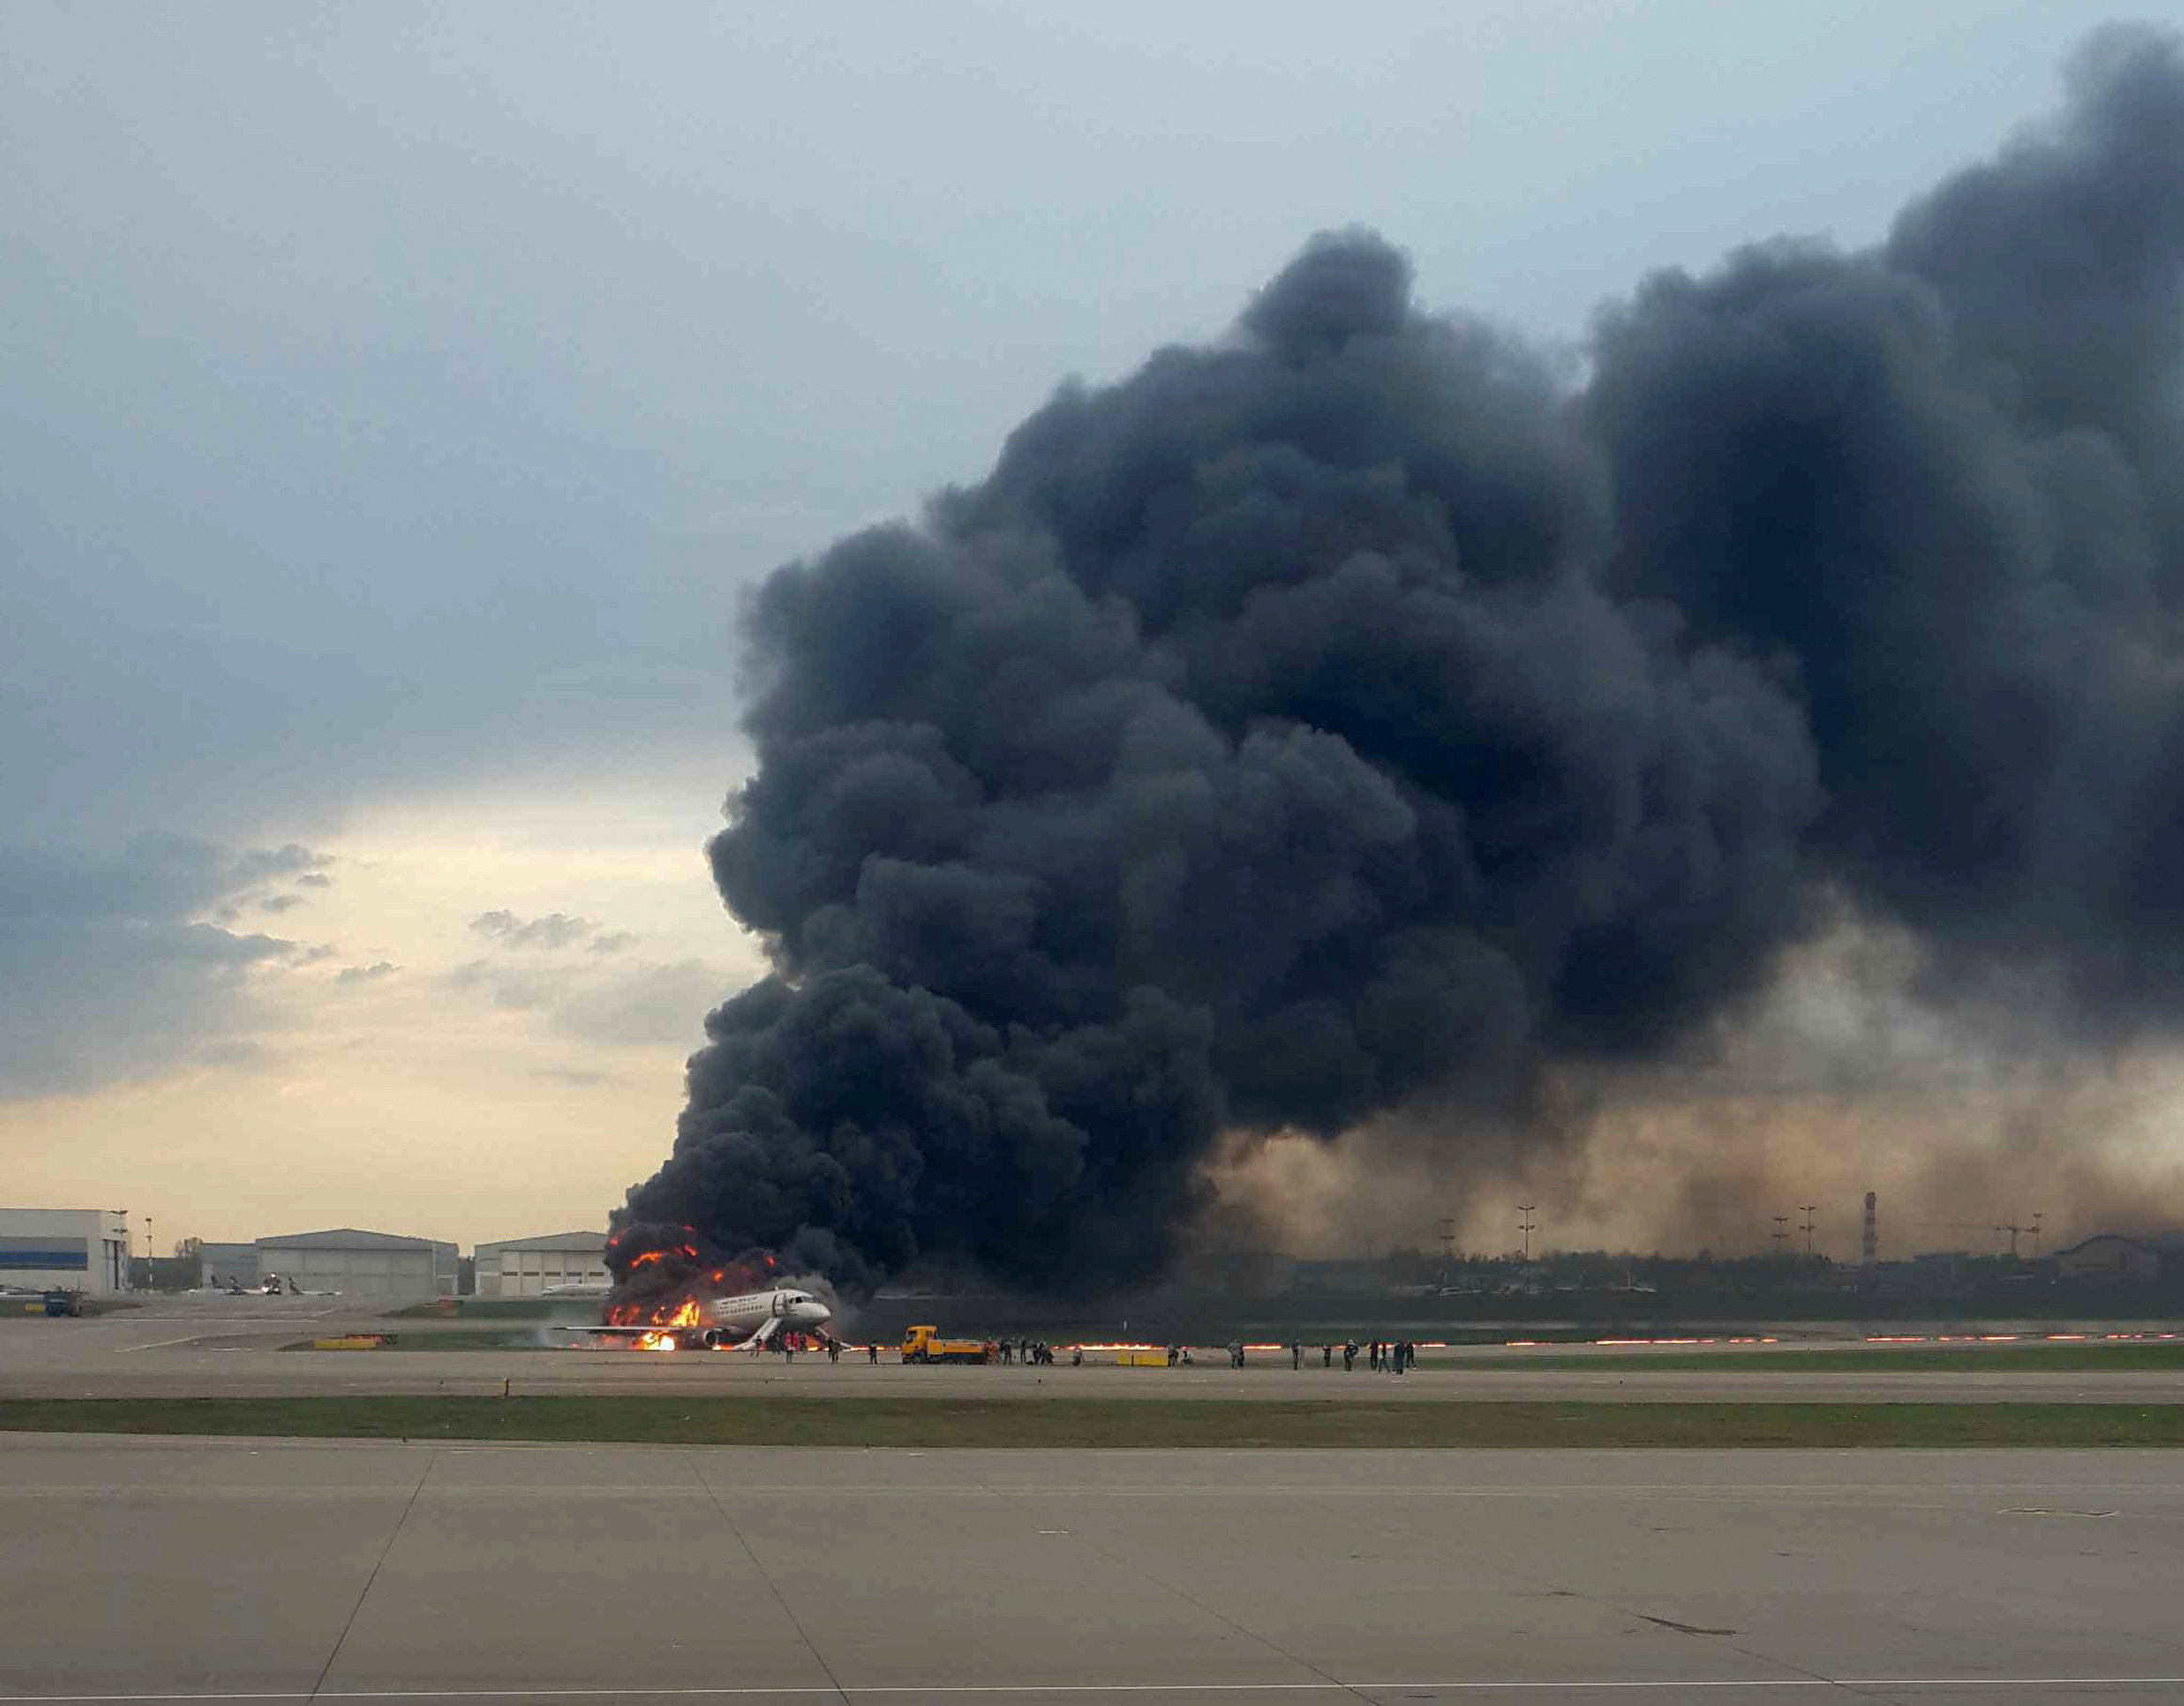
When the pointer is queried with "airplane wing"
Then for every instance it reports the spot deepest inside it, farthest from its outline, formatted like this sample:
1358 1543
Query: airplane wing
605 1332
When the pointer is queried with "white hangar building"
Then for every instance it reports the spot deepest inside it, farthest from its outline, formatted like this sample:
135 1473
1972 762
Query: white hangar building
65 1249
530 1267
220 1264
377 1267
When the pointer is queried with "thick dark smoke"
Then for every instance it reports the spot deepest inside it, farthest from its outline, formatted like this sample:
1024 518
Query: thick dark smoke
660 1271
1351 714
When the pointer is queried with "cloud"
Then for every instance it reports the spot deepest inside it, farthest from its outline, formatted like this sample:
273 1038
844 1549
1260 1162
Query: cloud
555 930
638 1005
611 941
110 973
575 1077
279 903
314 879
660 1004
367 975
517 989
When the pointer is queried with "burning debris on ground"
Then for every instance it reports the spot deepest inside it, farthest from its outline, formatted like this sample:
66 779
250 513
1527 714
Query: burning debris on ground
1350 717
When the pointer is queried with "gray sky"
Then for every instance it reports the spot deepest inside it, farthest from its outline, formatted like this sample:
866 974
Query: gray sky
393 400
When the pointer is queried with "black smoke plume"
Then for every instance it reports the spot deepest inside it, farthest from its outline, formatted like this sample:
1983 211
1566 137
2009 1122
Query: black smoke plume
658 1268
1352 712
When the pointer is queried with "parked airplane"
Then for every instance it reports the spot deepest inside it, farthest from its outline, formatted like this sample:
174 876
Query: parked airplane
750 1320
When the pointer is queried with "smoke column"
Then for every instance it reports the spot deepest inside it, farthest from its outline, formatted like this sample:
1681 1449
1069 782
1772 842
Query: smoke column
1352 715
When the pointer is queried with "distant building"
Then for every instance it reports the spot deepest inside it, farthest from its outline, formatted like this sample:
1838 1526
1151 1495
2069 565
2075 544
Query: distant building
73 1249
2109 1255
376 1267
530 1267
228 1264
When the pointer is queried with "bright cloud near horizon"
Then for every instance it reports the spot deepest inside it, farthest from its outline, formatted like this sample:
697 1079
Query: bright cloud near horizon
393 405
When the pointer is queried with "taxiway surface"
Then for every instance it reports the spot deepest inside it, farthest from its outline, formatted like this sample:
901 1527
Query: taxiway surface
232 1347
172 1571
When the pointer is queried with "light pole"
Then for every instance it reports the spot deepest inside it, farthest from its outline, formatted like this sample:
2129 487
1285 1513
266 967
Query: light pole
1525 1226
1809 1209
1782 1234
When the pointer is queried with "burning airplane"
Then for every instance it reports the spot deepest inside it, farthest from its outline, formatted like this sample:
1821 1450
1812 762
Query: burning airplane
668 1295
749 1319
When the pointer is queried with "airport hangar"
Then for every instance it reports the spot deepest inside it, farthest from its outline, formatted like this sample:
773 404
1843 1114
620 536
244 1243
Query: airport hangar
72 1249
529 1267
369 1266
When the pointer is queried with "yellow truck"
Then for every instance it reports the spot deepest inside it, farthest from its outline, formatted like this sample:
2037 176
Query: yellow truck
925 1345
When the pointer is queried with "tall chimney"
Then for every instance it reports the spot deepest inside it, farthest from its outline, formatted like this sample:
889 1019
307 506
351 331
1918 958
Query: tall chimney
1869 1250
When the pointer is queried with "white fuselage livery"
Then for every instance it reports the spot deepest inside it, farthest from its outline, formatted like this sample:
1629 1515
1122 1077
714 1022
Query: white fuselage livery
751 1317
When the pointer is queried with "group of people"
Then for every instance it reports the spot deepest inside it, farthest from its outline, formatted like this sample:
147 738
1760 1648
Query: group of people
1387 1356
788 1344
1031 1352
1383 1356
1390 1356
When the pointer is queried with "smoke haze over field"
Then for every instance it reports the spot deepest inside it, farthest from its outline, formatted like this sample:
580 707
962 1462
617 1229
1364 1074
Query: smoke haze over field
1350 725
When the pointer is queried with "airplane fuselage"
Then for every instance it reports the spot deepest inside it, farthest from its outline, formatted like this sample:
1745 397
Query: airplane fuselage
734 1320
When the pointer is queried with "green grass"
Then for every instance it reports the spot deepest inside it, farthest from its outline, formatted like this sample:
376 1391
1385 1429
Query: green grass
1866 1359
1863 1359
935 1422
451 1338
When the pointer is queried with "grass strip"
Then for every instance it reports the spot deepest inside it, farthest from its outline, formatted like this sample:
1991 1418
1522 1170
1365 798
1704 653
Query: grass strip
1067 1423
1867 1359
456 1339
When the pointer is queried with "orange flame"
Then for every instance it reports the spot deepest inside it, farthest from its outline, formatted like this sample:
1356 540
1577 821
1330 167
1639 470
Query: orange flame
648 1258
670 1312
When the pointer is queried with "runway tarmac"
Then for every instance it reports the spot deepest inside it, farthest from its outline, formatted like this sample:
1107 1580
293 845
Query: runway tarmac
168 1570
215 1347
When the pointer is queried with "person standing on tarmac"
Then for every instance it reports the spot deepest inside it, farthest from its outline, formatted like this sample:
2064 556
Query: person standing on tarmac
872 1353
1296 1354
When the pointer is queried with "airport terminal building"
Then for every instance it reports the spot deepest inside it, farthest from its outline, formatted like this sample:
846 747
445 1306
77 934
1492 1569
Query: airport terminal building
374 1266
67 1249
530 1267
